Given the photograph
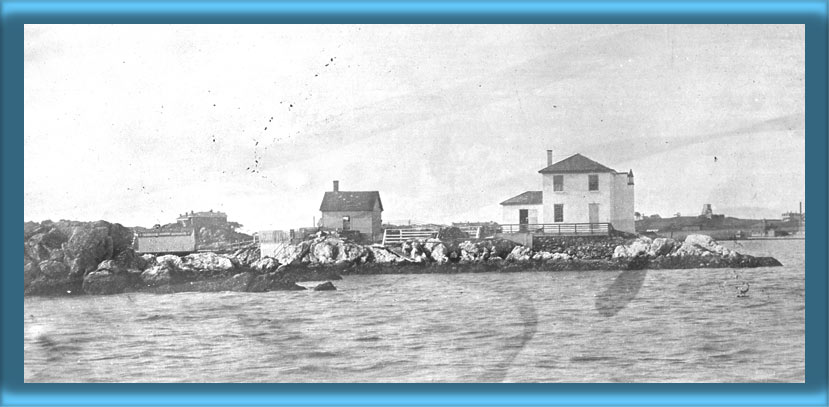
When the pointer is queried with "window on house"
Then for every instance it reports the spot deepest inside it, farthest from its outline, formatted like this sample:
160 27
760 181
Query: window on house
558 182
593 182
558 213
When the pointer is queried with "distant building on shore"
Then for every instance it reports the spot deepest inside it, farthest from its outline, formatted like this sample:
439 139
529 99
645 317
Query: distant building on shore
197 220
352 211
793 217
192 231
576 190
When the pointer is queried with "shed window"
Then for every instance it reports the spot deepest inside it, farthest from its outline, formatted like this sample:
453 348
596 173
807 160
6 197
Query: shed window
558 213
558 182
593 182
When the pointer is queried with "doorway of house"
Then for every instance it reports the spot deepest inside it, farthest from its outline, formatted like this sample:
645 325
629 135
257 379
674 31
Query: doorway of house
523 219
346 223
593 212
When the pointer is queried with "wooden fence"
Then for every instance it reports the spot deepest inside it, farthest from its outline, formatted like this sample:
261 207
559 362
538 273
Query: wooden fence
398 236
562 229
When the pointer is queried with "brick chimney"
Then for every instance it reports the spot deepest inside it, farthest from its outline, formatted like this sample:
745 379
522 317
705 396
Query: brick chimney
336 186
549 157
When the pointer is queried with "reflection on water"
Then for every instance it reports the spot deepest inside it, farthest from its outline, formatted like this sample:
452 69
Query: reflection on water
631 326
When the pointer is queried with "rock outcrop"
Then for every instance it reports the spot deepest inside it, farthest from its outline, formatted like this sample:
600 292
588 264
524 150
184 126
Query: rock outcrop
58 255
247 255
645 246
519 254
210 264
694 245
326 286
702 245
265 265
67 257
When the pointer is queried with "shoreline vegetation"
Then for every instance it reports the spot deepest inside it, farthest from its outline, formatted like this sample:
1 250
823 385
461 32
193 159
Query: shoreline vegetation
97 258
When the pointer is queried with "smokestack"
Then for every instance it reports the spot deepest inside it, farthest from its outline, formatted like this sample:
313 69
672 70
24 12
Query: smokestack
336 186
549 157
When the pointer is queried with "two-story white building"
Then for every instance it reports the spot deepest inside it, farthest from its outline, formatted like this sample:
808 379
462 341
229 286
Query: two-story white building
576 190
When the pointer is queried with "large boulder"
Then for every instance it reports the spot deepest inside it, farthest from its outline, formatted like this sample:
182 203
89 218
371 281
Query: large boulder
638 247
326 286
429 244
645 247
661 246
324 251
519 254
121 236
87 247
294 254
354 253
208 263
35 252
128 259
265 265
247 255
470 252
272 282
54 269
542 255
50 238
703 245
149 259
160 274
384 255
438 252
502 247
170 260
30 229
406 248
418 253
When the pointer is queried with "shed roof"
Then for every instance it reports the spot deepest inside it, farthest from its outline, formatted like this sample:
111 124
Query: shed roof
576 163
527 198
350 201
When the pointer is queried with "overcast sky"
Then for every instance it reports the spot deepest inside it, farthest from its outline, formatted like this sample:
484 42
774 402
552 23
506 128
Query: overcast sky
138 123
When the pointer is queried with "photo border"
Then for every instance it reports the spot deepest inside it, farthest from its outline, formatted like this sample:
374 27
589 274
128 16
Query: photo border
17 13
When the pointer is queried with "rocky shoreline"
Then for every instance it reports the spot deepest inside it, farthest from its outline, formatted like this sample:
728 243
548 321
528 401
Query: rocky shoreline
97 258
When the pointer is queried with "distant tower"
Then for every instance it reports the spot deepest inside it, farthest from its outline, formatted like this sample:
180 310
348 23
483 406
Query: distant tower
706 211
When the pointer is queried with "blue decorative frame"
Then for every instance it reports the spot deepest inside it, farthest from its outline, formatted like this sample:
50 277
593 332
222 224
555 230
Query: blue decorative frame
17 13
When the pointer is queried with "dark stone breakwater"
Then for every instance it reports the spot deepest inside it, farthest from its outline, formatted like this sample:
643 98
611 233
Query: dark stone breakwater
72 258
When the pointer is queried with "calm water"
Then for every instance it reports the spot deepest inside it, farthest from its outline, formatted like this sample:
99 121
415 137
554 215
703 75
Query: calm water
653 326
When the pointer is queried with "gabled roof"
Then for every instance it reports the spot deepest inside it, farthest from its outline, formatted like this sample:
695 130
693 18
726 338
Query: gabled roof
576 164
350 201
527 198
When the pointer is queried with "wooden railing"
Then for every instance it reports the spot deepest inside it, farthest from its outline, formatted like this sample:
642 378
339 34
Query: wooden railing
226 247
397 236
566 229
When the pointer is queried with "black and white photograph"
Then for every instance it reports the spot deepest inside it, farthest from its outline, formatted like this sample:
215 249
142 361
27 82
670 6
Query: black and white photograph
384 203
